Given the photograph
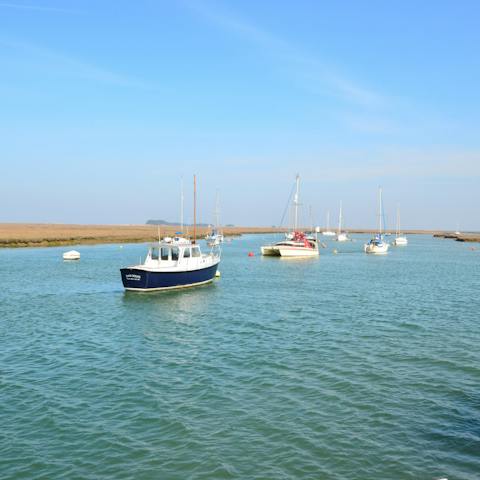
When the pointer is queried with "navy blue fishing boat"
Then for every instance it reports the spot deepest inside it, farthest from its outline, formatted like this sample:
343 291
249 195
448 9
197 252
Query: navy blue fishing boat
172 263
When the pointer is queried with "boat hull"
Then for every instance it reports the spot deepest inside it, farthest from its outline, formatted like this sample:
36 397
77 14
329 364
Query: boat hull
72 255
288 251
400 241
376 249
270 251
297 252
140 280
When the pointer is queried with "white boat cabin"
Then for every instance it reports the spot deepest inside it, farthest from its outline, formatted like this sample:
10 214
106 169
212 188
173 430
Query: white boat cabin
177 253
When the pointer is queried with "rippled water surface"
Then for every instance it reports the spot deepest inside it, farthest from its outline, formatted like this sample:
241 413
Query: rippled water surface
344 367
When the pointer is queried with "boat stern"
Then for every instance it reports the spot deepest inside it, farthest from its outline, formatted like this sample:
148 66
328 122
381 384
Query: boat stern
134 278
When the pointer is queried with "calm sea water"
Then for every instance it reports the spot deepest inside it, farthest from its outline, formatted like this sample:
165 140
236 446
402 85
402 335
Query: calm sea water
344 367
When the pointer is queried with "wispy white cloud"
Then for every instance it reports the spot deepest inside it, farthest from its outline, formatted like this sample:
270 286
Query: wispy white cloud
67 65
306 67
39 8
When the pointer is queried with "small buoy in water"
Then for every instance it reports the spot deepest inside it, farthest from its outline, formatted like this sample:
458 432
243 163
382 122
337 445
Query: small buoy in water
335 251
217 273
251 254
121 246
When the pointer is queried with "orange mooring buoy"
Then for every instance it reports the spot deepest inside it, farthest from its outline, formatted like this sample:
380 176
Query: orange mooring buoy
251 254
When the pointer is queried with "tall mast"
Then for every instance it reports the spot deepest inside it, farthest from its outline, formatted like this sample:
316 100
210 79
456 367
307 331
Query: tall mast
194 209
398 220
340 219
217 211
181 204
311 218
380 225
328 220
295 203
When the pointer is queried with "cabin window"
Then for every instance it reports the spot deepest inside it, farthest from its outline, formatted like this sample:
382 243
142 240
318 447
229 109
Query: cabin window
175 252
195 252
186 253
154 253
164 253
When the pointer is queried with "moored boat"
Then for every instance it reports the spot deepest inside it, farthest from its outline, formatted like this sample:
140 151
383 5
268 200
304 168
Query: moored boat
341 235
215 237
377 245
173 263
296 243
298 246
400 239
327 232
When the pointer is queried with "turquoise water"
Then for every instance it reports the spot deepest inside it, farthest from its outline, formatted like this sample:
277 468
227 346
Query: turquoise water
344 367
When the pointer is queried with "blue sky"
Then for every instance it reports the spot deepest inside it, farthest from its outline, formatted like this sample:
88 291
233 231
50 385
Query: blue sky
105 105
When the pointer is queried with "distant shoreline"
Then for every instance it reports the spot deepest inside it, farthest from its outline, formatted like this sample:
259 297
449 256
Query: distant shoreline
20 235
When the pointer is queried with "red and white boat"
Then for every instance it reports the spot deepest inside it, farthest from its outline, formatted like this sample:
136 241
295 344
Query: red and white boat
298 246
296 243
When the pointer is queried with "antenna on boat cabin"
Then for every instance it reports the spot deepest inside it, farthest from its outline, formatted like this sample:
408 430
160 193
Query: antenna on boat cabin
194 209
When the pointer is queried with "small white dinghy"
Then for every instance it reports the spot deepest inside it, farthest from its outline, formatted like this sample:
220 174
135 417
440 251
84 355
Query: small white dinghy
71 255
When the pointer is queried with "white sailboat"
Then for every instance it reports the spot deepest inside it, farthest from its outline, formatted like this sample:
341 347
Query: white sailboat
341 236
400 239
215 237
327 232
296 243
377 245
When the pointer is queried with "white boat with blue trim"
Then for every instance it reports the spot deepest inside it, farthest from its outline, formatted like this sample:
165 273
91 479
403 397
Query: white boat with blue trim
172 263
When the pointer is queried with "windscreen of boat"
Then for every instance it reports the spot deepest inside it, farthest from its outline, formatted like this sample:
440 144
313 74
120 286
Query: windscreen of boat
154 254
186 253
175 253
195 252
164 253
